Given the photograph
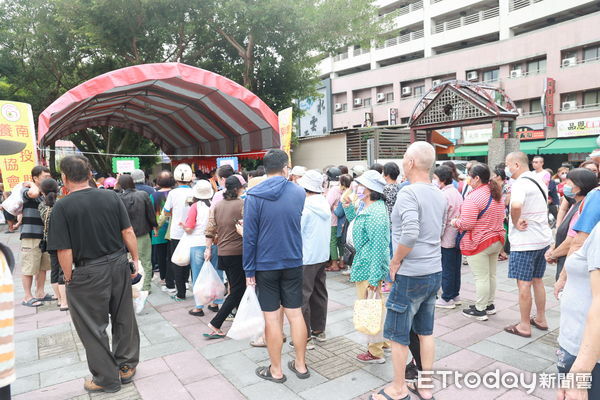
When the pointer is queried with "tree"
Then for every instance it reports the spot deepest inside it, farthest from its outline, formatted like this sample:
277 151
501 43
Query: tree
271 47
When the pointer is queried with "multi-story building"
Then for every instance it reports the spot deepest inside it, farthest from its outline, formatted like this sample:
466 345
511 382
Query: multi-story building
514 44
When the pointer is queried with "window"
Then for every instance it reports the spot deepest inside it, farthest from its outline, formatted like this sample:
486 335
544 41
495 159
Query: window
389 97
569 97
404 121
491 75
535 106
418 90
367 102
591 53
536 66
591 98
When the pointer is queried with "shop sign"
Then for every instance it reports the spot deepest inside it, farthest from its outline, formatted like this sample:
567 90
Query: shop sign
579 127
473 136
529 132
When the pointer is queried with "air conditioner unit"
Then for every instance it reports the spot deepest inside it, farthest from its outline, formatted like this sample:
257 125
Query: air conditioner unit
338 106
357 102
435 82
380 97
569 62
569 105
472 76
515 73
520 111
406 91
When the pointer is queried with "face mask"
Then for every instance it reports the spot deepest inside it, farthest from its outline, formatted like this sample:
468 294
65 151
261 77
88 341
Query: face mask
563 176
360 192
507 172
568 192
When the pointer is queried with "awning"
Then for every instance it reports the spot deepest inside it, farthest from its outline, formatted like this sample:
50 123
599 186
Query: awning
182 109
532 146
471 151
584 144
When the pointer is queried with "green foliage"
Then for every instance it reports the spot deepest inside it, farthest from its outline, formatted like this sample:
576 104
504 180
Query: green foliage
270 46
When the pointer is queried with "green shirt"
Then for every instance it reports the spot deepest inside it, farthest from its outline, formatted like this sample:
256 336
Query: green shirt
371 236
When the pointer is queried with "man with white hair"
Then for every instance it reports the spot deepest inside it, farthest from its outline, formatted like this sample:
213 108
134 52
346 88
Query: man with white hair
139 178
416 268
296 173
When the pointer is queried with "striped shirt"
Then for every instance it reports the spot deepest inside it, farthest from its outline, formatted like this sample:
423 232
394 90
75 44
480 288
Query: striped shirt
33 226
485 231
7 324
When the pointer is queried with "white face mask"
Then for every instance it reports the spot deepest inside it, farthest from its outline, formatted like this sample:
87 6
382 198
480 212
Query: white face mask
507 172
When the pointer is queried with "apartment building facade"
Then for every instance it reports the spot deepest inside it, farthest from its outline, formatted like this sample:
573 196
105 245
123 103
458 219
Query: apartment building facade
518 45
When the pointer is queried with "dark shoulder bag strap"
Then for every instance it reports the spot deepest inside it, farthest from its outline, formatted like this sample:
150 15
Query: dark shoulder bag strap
539 187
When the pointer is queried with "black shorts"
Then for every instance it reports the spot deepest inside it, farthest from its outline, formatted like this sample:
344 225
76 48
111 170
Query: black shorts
279 288
8 216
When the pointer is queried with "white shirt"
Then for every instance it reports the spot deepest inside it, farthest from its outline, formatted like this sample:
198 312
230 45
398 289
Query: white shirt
534 210
544 176
177 205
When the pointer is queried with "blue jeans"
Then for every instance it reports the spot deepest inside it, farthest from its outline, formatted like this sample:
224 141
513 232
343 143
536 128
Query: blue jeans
197 261
565 362
451 264
411 305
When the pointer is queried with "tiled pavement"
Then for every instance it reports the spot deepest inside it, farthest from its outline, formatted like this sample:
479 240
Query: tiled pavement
178 363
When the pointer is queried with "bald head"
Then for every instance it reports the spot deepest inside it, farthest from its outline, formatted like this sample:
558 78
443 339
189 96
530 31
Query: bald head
517 162
423 155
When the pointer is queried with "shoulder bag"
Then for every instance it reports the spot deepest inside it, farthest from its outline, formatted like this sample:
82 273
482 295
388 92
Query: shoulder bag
462 234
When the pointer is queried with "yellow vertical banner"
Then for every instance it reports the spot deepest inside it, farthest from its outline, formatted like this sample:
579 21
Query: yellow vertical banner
285 129
16 125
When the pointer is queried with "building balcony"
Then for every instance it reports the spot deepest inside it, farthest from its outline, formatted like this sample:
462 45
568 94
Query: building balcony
400 45
441 7
479 24
408 15
466 20
526 15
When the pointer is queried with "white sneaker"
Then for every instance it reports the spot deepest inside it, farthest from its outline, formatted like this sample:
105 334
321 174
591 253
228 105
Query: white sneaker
441 303
346 271
457 301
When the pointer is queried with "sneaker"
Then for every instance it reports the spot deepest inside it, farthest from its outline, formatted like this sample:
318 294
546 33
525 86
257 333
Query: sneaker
472 312
457 301
126 374
230 317
91 386
319 337
490 310
214 308
309 344
177 299
441 303
411 374
369 358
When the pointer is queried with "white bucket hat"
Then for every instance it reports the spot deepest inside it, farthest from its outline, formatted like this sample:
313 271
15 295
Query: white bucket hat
312 181
203 190
372 180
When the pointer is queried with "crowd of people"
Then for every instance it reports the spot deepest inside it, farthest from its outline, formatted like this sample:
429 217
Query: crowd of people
401 233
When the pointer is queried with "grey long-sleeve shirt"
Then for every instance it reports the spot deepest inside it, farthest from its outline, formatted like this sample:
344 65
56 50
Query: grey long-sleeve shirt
418 222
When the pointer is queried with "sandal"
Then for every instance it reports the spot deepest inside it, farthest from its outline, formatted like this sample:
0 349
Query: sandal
388 397
540 327
214 335
415 390
265 373
196 312
48 297
300 375
512 329
32 302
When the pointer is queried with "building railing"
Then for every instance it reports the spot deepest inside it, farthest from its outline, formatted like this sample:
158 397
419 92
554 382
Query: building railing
528 73
359 51
518 4
340 57
396 40
580 107
583 61
530 113
466 20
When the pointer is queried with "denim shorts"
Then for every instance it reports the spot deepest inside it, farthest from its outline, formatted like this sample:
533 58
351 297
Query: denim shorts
411 305
565 361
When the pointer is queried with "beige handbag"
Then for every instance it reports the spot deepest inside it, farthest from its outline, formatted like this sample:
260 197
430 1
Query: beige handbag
368 314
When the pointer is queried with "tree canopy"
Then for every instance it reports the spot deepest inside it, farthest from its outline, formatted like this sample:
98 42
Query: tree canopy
271 47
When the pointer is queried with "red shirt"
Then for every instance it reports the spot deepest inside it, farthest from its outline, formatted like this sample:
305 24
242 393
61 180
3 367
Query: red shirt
485 231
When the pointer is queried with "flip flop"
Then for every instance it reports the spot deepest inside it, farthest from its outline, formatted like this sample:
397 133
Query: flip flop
388 397
30 303
512 329
214 335
300 375
415 390
540 327
47 297
265 373
64 309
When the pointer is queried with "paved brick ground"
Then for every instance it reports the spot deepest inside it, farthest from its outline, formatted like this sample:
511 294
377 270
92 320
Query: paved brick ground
178 363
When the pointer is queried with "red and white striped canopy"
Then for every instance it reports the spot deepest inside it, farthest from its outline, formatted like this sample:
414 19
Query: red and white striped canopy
183 109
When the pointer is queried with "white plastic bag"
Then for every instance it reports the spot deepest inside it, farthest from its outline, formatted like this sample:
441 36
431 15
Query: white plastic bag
249 321
139 296
208 286
181 255
14 204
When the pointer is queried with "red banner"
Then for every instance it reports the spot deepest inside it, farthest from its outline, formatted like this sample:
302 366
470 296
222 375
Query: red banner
548 102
